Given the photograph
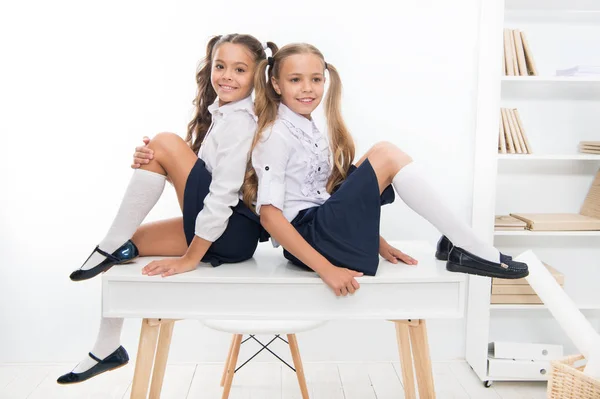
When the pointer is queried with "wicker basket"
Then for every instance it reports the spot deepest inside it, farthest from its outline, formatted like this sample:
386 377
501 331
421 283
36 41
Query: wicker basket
568 382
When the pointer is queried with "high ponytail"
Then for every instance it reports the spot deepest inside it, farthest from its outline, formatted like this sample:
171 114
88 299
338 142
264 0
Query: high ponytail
342 144
266 105
206 95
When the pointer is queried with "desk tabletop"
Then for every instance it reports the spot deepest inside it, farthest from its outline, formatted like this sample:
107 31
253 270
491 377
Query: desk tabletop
268 287
268 266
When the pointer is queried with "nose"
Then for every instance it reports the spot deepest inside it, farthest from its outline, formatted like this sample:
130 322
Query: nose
306 87
227 74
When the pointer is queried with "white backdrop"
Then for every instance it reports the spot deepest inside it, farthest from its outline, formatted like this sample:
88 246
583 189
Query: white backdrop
82 82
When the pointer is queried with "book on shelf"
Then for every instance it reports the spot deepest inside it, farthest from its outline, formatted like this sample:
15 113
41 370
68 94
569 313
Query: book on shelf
518 58
519 291
580 70
588 218
512 137
558 276
507 222
591 204
497 299
558 221
589 147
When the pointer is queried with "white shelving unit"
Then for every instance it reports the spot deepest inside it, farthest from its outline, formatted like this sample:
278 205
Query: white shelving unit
557 113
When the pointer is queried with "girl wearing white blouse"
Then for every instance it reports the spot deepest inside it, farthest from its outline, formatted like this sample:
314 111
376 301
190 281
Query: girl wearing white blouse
323 210
207 171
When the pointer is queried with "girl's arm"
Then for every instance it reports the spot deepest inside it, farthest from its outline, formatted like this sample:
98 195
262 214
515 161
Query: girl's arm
393 255
341 280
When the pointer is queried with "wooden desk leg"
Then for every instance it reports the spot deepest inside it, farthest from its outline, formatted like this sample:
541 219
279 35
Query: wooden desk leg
228 360
232 364
406 362
162 354
420 347
145 359
298 364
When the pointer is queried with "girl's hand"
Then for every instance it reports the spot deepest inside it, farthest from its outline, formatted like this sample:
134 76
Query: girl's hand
169 267
142 154
394 255
342 281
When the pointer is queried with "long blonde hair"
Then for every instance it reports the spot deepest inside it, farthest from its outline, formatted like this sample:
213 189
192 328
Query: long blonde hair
266 105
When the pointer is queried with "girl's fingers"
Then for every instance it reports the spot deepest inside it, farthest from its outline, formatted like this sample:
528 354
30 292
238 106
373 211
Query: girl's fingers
391 258
169 272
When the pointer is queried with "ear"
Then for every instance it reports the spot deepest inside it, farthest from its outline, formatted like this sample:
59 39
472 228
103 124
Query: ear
275 85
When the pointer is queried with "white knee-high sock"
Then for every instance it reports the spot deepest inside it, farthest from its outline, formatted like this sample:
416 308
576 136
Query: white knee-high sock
412 186
109 339
143 192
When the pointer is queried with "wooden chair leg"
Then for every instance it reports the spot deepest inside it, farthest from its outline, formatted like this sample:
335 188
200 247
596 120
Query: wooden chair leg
231 365
160 361
406 361
228 360
420 348
145 359
298 364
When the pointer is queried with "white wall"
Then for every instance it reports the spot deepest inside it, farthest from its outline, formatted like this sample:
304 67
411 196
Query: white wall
81 84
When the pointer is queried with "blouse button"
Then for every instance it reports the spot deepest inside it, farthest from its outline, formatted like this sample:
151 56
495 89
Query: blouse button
318 170
266 168
318 192
316 145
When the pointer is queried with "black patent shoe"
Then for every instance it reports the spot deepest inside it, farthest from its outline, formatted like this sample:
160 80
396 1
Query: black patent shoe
125 254
462 261
118 358
444 246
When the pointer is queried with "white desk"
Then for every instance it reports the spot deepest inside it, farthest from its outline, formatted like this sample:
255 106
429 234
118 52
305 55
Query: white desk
269 287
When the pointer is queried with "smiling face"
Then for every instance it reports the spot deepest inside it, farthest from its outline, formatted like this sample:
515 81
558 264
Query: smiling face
232 72
300 83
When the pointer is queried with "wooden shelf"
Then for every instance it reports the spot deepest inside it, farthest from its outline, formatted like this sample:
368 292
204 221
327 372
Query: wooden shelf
593 233
544 87
549 157
537 307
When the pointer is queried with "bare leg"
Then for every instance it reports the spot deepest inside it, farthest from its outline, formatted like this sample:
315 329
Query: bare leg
386 160
161 238
173 158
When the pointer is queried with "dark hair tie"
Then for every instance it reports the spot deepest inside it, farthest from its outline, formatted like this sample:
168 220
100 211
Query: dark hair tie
325 65
270 61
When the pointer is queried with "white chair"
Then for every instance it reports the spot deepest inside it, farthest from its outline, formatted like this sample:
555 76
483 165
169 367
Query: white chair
253 327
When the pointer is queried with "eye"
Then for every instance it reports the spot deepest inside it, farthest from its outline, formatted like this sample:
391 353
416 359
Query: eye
294 80
219 66
317 80
240 70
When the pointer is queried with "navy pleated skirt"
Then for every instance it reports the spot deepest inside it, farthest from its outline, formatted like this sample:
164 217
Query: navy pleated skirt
345 229
240 239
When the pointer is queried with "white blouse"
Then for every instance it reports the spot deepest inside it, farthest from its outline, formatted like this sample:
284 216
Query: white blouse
292 162
225 152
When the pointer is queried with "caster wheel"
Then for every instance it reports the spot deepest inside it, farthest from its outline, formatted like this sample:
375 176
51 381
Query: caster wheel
487 384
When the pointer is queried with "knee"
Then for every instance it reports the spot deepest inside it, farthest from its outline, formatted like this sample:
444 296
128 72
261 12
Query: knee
165 140
390 153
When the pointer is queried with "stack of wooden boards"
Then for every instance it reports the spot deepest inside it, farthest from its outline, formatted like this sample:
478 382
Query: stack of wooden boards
518 59
519 291
589 147
512 138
